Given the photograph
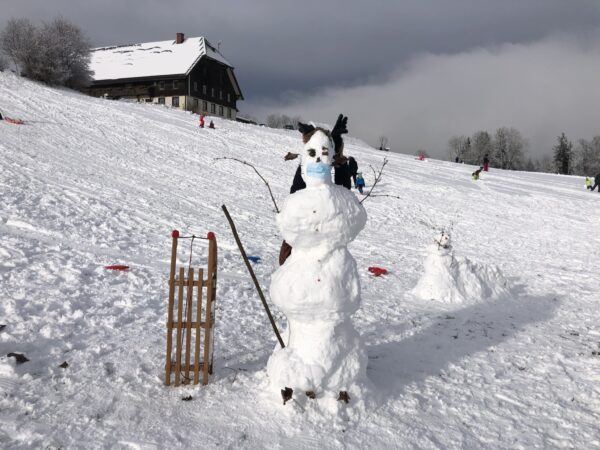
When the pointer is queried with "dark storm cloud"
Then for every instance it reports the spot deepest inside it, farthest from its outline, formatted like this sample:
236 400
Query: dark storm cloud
281 46
415 70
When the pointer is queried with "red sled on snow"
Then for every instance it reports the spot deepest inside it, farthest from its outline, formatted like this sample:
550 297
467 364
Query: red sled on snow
14 121
117 267
378 271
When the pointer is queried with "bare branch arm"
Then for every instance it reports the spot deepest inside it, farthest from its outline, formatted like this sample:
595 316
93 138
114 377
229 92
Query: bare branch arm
257 173
377 178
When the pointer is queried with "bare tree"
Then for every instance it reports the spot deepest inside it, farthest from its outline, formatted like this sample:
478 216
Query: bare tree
481 145
18 42
587 157
3 63
456 147
57 53
383 142
509 147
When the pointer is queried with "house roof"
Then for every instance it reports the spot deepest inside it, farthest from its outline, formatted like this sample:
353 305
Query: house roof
151 59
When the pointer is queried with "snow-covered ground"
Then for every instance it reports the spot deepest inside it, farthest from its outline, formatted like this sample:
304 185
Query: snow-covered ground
89 182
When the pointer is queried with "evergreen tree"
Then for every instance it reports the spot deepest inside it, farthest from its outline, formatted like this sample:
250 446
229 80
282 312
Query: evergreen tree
562 154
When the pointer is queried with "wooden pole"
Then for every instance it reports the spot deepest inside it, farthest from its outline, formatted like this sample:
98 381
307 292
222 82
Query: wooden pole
175 236
254 279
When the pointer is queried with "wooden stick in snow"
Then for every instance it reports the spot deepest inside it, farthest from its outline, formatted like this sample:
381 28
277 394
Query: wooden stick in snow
254 279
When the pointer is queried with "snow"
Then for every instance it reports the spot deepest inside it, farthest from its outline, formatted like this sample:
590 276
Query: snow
151 59
90 182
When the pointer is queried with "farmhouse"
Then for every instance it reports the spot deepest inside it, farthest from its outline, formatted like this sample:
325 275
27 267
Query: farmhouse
187 73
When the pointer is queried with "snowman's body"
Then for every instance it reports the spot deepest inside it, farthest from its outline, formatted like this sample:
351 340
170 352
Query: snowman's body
318 287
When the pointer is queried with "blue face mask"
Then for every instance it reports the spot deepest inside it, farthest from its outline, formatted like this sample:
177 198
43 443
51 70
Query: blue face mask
318 170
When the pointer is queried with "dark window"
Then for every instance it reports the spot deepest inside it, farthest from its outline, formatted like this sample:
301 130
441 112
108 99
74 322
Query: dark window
161 100
229 113
175 101
220 95
220 110
228 97
161 85
212 92
148 100
212 108
204 89
204 106
195 86
175 84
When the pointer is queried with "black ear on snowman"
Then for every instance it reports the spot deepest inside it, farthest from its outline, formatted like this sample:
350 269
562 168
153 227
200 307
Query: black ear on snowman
305 128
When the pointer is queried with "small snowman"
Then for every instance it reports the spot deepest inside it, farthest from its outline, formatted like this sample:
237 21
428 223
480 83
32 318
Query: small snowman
456 279
318 287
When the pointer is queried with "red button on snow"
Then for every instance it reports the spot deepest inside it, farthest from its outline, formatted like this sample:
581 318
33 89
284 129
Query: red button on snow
117 267
378 271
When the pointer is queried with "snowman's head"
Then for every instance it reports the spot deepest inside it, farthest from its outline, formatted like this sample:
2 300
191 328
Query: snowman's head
316 157
443 240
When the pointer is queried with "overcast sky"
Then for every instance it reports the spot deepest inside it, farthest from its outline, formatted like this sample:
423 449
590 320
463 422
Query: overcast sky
417 71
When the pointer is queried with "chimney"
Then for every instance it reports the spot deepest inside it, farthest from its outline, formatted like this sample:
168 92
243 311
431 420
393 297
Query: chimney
179 39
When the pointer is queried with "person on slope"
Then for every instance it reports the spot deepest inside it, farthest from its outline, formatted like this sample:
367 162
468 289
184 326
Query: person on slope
486 163
359 182
475 175
342 168
588 183
596 182
201 120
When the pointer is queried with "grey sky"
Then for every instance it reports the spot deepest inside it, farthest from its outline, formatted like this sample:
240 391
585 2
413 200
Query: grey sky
286 51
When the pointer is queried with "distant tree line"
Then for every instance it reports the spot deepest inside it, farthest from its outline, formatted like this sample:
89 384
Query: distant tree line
507 149
57 53
283 121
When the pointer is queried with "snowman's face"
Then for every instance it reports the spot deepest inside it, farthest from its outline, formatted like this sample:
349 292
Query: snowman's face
443 240
316 159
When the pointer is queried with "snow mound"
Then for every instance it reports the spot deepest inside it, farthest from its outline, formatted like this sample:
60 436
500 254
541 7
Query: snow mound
456 279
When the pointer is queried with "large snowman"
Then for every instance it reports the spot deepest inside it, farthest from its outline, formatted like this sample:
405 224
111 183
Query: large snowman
318 287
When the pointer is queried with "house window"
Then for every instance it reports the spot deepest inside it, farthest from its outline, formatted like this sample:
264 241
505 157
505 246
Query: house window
204 89
228 97
195 86
212 108
229 113
148 100
204 106
175 102
220 110
212 92
220 95
161 85
161 100
175 84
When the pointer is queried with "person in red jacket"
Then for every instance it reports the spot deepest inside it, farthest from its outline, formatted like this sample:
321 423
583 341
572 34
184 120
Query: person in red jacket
202 121
486 163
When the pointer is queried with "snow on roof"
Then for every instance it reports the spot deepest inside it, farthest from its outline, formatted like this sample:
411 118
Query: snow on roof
151 59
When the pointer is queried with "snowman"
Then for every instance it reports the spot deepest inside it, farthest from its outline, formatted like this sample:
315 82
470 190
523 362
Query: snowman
317 287
456 279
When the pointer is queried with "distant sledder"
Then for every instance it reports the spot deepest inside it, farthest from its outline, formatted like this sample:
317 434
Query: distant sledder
11 120
475 175
596 183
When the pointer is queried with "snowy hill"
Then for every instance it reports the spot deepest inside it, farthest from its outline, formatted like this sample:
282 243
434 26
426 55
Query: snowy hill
88 182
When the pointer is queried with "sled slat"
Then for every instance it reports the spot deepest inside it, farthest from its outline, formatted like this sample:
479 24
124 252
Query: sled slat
197 326
193 324
178 343
188 326
186 282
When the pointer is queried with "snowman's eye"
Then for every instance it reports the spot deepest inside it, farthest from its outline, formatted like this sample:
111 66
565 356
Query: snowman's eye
312 152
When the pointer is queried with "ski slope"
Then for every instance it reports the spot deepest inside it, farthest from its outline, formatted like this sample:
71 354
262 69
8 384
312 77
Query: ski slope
90 182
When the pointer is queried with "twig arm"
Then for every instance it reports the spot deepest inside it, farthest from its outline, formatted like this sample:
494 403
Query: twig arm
257 173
